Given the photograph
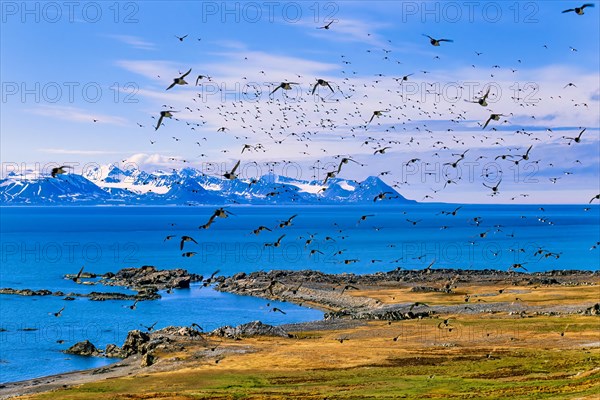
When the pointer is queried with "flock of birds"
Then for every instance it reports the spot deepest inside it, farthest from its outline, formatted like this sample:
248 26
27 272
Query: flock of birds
338 114
302 120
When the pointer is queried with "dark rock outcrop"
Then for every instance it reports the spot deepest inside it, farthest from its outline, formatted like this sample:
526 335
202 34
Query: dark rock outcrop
147 294
85 348
113 351
148 277
135 343
593 310
254 328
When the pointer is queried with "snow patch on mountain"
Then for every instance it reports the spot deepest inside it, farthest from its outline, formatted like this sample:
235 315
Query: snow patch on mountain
109 184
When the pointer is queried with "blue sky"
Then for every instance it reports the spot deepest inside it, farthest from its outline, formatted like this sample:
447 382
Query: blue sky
126 54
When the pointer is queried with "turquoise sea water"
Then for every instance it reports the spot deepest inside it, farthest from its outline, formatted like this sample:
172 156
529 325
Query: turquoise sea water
40 244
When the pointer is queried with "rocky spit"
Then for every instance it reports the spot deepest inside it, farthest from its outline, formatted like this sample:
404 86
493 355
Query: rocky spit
146 281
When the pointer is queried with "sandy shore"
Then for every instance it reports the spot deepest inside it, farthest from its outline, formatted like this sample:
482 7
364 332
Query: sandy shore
447 333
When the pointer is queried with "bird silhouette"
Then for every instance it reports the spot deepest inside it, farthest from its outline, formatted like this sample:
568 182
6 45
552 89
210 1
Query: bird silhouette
579 10
180 80
59 170
163 115
186 239
436 42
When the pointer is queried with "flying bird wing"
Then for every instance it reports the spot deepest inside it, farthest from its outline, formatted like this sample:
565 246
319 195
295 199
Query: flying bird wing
235 167
160 119
487 122
186 74
315 88
79 274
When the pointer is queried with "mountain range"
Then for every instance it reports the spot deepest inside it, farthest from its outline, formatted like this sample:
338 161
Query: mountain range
110 185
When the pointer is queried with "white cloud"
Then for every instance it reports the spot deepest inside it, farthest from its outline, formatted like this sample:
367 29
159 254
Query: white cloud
134 41
75 114
81 152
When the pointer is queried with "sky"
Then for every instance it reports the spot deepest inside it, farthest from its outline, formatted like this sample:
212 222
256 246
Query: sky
83 84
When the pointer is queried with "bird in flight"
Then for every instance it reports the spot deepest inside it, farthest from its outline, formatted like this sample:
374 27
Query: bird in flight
345 160
436 42
453 213
322 82
277 243
382 150
181 37
326 26
219 213
57 314
575 139
210 279
284 86
494 188
381 196
579 10
495 117
231 175
163 115
377 113
483 100
76 279
149 328
186 239
364 217
260 229
404 78
59 170
201 77
517 266
526 155
287 222
180 80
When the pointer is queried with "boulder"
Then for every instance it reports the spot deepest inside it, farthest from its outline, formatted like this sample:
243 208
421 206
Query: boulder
238 276
85 348
113 351
135 343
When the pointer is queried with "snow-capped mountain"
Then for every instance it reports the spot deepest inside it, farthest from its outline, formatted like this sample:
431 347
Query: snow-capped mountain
110 184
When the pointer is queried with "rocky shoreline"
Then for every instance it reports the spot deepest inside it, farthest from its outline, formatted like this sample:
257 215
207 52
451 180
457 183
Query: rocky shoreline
341 295
349 300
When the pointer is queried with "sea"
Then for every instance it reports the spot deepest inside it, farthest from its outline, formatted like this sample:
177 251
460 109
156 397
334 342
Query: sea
39 245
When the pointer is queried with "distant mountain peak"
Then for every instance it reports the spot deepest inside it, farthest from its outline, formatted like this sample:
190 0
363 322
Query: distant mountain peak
110 184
